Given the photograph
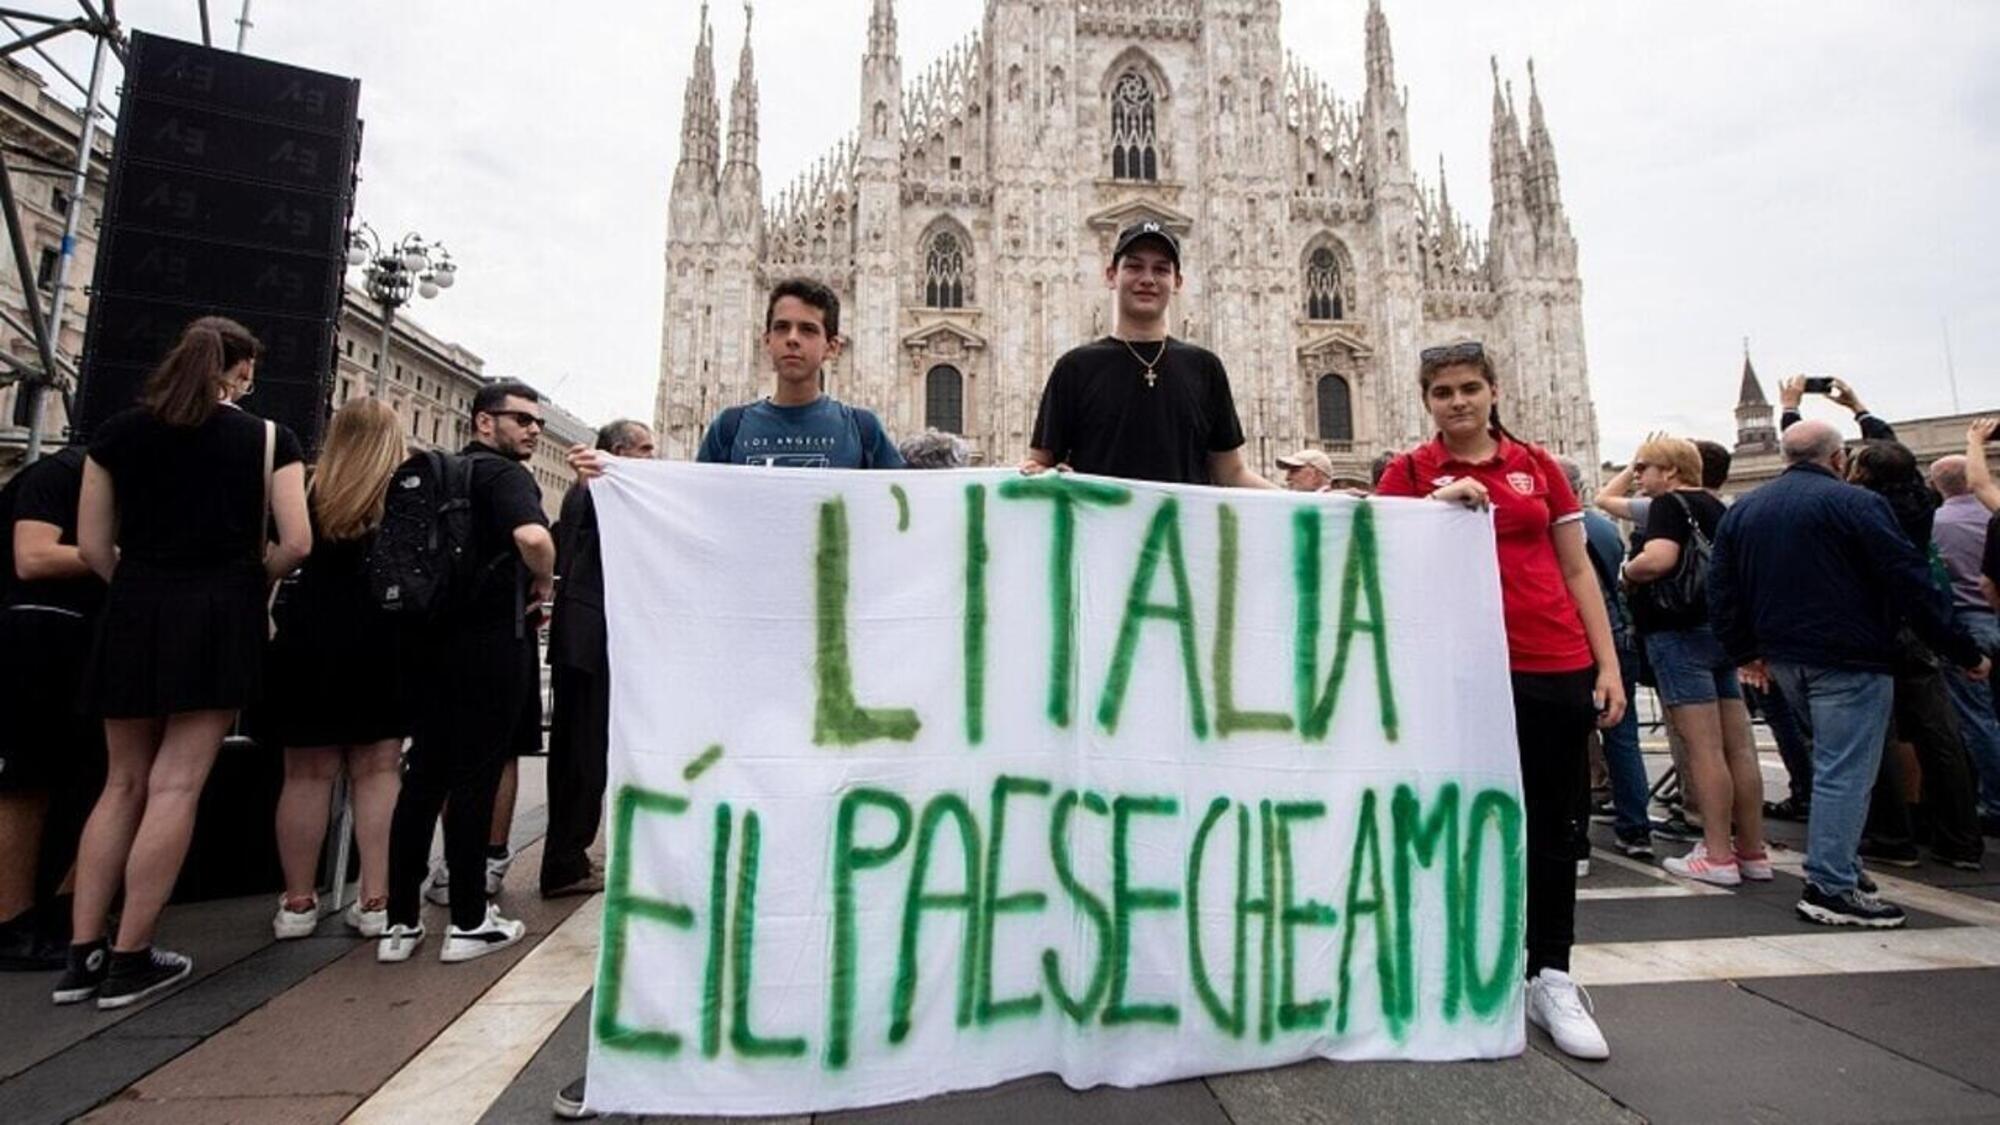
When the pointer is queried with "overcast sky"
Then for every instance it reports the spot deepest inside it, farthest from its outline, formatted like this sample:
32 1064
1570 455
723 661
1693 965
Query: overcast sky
1817 175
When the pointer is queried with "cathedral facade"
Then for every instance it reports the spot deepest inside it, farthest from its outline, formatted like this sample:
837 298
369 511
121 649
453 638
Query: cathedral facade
967 221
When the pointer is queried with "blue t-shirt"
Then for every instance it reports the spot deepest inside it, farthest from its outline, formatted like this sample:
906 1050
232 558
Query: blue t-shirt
823 434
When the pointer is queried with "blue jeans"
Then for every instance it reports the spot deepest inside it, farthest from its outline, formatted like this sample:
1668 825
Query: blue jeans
1622 760
1690 667
1977 723
1793 746
1846 714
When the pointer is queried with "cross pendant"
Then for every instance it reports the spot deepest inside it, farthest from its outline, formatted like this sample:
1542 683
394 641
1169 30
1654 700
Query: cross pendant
1152 377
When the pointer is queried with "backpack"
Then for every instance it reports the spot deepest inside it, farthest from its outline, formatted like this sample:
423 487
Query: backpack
421 563
867 431
1685 591
8 494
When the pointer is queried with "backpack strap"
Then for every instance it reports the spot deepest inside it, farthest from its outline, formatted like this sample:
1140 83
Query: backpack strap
727 424
867 431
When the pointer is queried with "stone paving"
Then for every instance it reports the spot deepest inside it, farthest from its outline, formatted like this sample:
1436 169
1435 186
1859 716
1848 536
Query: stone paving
1720 1006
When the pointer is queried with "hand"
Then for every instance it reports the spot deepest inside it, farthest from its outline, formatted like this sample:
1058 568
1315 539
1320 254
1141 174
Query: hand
587 463
541 590
1981 432
1792 392
1609 696
1756 674
1465 492
1845 396
1031 467
1979 675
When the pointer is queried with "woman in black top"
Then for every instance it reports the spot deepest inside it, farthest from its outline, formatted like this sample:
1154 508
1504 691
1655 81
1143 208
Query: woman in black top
1694 676
178 494
336 676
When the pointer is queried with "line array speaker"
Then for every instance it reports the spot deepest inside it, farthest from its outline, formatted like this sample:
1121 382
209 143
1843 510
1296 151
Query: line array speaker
232 183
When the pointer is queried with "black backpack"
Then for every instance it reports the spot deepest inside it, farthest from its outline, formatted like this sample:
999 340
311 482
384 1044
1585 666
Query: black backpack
8 495
421 563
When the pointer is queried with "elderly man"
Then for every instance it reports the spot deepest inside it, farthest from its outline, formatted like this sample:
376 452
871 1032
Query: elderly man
1308 470
1960 535
1809 580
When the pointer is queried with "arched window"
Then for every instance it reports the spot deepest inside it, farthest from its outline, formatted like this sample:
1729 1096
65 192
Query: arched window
1336 409
1323 288
1134 136
944 272
944 399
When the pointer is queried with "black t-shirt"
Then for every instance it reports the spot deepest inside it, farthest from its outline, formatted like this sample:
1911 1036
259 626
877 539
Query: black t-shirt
1098 414
190 497
504 497
1669 520
1989 562
47 493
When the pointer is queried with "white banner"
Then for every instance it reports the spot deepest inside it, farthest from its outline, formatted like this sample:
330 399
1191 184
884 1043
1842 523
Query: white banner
927 781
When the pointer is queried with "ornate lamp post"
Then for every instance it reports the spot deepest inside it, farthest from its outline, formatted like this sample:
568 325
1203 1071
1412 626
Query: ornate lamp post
393 271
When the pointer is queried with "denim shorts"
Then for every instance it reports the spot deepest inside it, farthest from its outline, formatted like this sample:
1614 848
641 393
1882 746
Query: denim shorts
1690 667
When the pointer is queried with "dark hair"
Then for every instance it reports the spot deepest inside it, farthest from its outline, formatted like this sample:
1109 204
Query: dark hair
812 293
1429 366
614 434
489 397
1379 466
1889 469
1715 462
184 389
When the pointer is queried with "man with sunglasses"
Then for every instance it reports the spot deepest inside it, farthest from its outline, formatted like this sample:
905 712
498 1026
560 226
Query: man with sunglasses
481 701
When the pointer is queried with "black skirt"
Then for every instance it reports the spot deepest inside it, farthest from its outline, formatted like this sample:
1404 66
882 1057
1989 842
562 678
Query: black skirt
171 641
337 663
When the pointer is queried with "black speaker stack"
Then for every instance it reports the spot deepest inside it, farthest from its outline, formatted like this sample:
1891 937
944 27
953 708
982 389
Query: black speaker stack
232 183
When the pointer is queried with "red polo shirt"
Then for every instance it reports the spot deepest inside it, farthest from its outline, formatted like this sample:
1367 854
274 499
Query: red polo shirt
1530 497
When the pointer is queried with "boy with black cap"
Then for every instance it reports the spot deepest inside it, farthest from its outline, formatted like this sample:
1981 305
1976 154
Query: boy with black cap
1139 404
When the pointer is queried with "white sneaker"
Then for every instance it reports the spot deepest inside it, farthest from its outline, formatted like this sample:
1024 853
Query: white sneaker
288 924
437 885
1704 868
1582 867
1560 1006
398 942
367 923
496 873
495 933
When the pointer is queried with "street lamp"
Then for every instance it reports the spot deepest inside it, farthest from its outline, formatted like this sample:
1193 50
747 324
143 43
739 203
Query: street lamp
393 271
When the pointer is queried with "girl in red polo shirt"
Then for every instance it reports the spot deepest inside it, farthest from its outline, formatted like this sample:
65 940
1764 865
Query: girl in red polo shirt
1565 670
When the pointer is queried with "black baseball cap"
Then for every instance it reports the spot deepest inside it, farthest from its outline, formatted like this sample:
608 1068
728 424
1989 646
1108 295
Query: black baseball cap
1143 230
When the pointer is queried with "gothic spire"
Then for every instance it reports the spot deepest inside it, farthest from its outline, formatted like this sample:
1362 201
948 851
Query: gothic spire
882 30
1508 189
701 113
743 108
1544 182
1381 57
1448 238
1752 394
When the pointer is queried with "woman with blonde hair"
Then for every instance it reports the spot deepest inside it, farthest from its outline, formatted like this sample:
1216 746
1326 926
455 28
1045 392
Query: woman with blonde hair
1695 677
336 663
179 496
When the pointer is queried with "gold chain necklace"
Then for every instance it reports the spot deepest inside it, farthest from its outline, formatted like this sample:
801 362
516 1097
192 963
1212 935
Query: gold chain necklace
1152 376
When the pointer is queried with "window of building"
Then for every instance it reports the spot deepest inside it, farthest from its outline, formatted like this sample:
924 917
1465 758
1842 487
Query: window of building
437 430
348 346
59 200
1323 286
1336 409
944 272
944 399
45 268
1134 138
416 422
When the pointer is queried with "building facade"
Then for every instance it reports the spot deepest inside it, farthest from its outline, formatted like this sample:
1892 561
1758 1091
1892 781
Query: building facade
967 221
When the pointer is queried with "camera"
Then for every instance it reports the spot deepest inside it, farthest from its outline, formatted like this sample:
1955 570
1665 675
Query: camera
1819 384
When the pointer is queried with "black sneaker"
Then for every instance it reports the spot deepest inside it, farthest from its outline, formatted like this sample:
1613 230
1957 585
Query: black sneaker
1961 863
84 974
1639 845
25 947
1602 812
1850 908
1864 884
569 1103
1791 808
1895 855
1677 829
141 973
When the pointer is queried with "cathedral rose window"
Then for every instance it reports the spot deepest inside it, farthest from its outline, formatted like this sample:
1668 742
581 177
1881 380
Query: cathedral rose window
1134 137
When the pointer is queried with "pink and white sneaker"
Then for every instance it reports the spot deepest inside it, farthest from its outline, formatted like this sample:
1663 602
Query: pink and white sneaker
1698 866
1756 868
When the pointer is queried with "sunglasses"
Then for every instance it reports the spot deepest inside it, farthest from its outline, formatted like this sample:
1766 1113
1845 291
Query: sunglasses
1470 352
521 418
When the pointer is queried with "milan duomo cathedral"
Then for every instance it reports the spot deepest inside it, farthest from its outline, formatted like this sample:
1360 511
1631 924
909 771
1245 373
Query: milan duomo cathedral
967 222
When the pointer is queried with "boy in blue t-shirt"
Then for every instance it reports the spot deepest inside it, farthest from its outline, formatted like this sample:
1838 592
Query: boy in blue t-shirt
800 426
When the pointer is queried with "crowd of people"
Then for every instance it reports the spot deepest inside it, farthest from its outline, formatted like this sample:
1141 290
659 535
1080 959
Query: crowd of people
1851 602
